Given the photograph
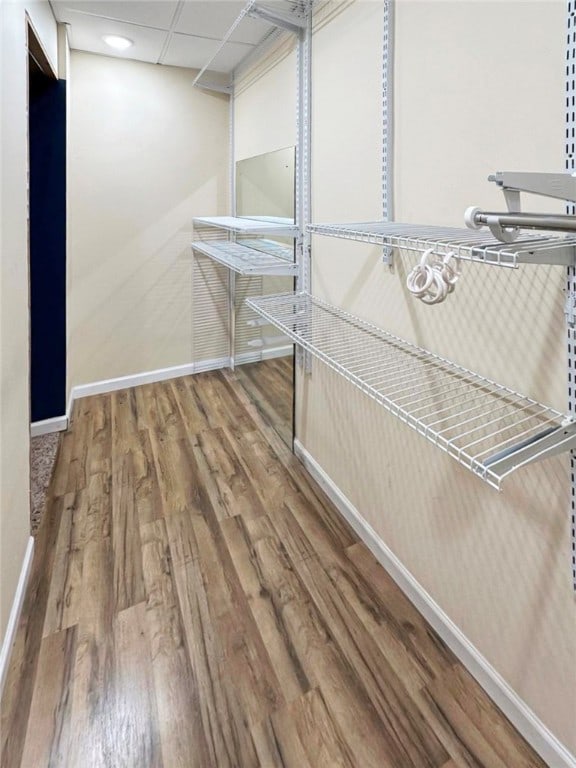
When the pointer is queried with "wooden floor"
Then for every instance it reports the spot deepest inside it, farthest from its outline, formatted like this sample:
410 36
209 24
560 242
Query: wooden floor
196 602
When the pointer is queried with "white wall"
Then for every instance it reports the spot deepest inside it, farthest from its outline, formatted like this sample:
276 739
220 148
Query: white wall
147 153
14 316
479 88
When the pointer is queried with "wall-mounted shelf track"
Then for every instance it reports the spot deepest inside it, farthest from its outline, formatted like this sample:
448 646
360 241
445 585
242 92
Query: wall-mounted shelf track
488 428
243 226
465 243
245 260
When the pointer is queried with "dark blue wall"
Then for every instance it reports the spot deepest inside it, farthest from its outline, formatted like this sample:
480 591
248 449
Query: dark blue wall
47 125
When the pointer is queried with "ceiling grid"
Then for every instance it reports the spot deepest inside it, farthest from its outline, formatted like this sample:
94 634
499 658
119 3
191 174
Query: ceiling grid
182 33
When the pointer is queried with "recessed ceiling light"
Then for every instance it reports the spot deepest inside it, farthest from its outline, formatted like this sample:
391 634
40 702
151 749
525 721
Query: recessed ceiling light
115 41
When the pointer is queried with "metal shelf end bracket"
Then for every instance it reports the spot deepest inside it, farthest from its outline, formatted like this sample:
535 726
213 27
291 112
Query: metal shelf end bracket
549 443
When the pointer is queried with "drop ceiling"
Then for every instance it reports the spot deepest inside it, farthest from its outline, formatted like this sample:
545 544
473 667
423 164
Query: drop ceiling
181 33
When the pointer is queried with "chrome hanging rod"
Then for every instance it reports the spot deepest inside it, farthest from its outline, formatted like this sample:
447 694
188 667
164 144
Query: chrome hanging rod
506 226
557 222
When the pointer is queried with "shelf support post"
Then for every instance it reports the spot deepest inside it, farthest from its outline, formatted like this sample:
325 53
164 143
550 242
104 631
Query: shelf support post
303 168
388 125
571 270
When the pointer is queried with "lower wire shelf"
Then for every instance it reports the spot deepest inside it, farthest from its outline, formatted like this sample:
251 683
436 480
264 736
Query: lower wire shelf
488 428
245 260
271 247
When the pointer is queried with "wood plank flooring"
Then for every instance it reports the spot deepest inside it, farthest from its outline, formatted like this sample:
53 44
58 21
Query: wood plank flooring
196 602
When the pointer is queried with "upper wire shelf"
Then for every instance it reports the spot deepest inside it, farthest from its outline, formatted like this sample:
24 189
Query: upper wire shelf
488 428
467 244
243 226
269 18
244 260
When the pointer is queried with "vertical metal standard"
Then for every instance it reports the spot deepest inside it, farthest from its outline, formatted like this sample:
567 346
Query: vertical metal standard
232 315
231 149
388 124
232 197
303 169
571 271
303 110
571 330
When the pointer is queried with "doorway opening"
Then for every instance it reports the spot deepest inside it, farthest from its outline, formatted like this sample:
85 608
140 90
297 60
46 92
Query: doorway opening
47 267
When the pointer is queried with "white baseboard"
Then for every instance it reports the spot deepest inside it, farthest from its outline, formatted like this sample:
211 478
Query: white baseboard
70 405
522 717
285 351
16 610
147 377
163 374
208 365
46 426
264 354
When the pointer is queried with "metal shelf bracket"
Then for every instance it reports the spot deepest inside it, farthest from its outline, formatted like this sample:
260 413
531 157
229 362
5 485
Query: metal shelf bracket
272 16
559 185
570 308
548 443
216 87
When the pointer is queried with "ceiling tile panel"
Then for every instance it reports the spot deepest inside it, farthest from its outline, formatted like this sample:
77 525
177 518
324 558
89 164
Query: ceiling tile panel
213 18
149 13
189 51
87 32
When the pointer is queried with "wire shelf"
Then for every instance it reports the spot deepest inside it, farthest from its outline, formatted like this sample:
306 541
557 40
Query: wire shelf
271 247
486 427
243 260
240 225
468 244
272 17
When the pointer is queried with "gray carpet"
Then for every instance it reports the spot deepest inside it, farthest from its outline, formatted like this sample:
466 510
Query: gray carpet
43 451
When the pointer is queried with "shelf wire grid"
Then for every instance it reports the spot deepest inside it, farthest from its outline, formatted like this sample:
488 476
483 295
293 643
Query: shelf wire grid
271 247
245 260
468 244
470 417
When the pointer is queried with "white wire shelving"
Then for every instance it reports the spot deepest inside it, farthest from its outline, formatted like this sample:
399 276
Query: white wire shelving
271 247
245 260
273 16
239 225
468 244
488 428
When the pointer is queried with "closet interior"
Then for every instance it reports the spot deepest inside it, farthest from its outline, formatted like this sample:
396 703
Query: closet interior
315 490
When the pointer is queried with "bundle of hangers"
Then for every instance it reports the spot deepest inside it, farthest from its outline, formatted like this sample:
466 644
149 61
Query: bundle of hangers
434 277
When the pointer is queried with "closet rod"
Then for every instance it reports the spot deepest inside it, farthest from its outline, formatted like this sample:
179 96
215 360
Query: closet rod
555 222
